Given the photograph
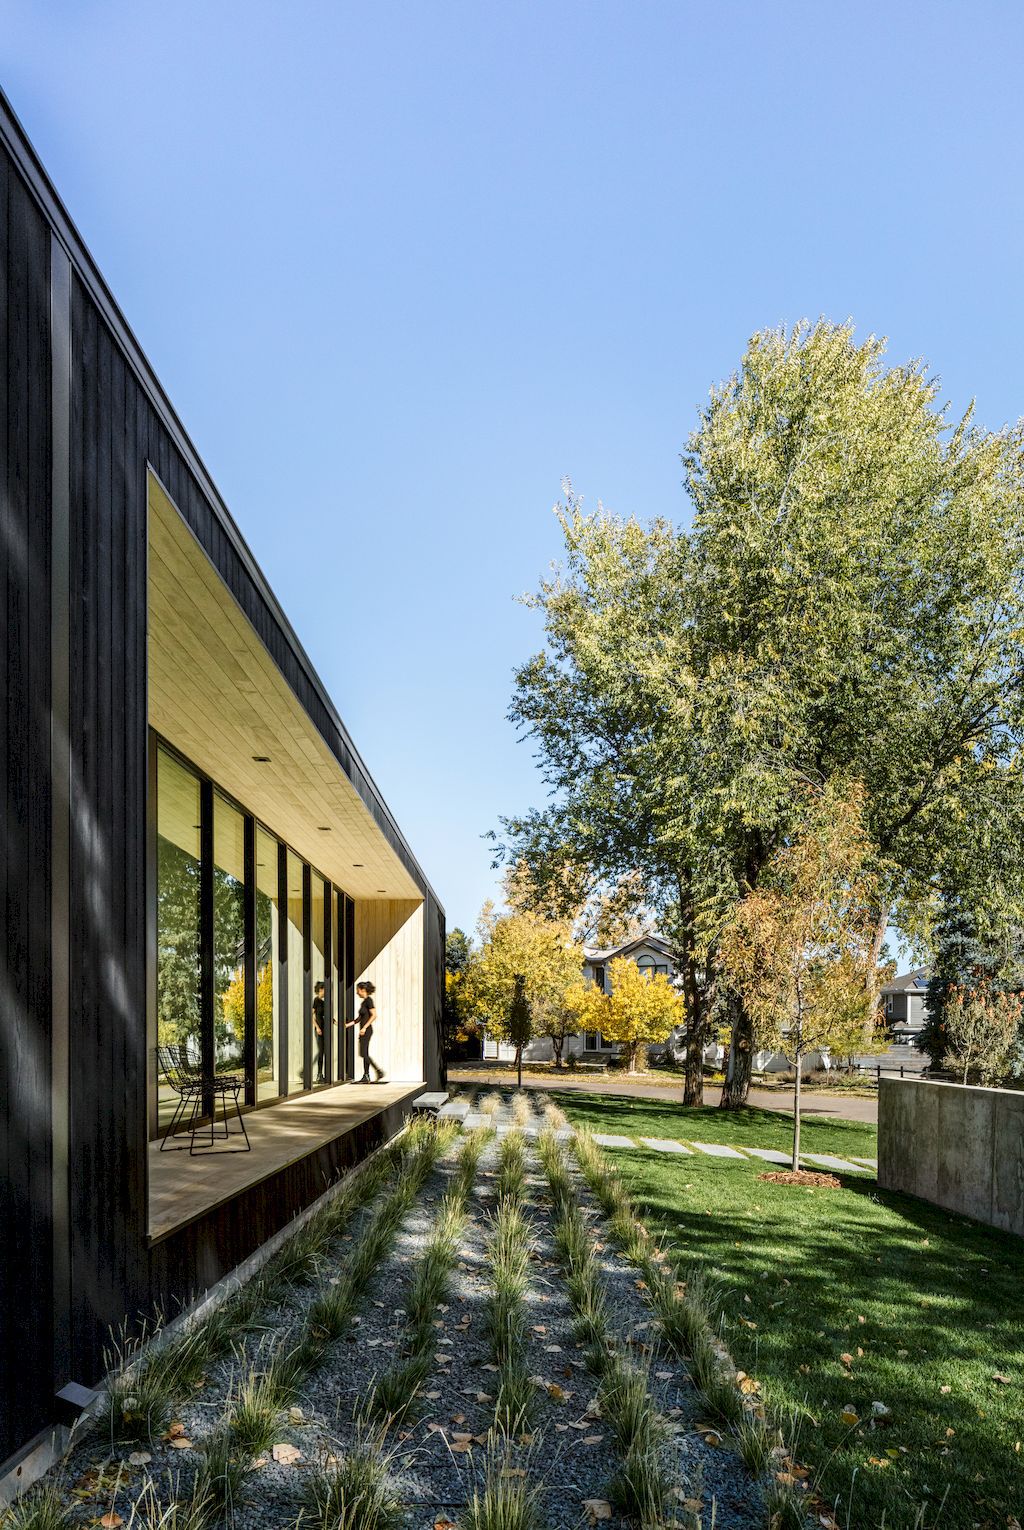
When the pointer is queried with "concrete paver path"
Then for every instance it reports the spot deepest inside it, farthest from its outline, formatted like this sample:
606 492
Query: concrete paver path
845 1107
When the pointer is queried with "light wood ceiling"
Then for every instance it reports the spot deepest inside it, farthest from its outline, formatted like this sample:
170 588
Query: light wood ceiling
218 697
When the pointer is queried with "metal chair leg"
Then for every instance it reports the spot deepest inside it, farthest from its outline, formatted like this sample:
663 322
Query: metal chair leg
179 1111
241 1122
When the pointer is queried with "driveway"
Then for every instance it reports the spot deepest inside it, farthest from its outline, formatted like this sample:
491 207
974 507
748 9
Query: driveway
813 1102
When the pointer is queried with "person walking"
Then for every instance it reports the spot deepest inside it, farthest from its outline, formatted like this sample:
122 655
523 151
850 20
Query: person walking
365 1021
318 1029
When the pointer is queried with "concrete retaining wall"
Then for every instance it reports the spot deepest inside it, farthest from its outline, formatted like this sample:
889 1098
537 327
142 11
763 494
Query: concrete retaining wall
959 1148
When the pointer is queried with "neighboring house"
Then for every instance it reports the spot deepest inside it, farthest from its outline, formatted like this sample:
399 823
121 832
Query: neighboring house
191 843
651 954
904 1003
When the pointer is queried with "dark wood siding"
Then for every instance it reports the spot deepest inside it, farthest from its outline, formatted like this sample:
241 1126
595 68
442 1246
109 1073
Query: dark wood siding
119 422
25 1206
109 443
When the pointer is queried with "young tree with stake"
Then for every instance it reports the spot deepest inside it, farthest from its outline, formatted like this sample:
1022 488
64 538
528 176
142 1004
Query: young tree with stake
800 946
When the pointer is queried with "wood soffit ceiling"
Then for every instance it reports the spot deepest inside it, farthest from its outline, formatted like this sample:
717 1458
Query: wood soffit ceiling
217 696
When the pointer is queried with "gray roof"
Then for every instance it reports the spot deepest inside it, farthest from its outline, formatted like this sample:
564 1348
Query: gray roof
908 982
609 953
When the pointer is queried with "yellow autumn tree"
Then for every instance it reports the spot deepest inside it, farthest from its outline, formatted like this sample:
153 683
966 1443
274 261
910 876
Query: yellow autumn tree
800 946
233 1001
543 953
640 1008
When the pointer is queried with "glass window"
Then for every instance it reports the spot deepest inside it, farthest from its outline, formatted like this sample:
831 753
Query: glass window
298 1025
337 981
177 967
647 964
320 1015
268 969
593 1041
228 938
599 978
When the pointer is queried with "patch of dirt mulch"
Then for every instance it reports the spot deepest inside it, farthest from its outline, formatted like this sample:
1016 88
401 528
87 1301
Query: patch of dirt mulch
805 1177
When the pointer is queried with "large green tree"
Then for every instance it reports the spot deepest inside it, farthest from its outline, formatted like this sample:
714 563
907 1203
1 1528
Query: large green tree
847 600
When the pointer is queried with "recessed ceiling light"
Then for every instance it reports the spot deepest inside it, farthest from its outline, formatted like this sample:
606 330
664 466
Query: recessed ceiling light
262 759
381 890
357 865
324 828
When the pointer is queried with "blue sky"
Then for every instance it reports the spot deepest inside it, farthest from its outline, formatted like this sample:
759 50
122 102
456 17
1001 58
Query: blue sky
403 266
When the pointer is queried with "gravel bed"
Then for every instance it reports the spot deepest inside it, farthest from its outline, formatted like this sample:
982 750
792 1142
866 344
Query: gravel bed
444 1441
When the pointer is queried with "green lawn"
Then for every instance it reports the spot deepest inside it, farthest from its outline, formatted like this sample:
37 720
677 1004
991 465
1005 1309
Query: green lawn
746 1128
926 1307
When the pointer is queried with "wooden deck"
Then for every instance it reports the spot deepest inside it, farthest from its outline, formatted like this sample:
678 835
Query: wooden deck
182 1188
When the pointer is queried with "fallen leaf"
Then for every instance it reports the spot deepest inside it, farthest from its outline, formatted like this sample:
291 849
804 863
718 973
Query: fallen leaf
593 1439
139 1458
296 1416
181 1442
846 1360
945 1390
111 1521
285 1454
597 1508
1003 1380
849 1417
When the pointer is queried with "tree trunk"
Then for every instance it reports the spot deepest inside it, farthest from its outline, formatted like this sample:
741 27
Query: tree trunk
519 1065
796 1115
557 1043
693 1068
736 1086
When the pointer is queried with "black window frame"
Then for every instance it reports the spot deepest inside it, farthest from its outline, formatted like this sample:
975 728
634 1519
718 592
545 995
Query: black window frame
342 940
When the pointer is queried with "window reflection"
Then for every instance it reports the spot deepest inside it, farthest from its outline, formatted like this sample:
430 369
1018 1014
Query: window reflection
202 919
268 985
177 967
228 937
320 1007
298 1020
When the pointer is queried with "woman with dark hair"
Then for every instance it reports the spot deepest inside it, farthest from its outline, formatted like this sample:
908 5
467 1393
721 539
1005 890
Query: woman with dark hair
364 1020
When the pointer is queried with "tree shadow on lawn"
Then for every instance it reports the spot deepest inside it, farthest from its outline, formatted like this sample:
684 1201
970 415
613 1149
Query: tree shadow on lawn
750 1127
943 1290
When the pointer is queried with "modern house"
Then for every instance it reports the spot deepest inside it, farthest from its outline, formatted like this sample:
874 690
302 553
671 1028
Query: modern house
191 843
904 999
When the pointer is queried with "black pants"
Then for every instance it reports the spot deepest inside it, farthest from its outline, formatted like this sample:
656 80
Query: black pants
318 1037
364 1053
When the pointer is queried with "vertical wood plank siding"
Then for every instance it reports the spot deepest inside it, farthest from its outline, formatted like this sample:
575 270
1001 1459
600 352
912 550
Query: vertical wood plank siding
120 422
25 1205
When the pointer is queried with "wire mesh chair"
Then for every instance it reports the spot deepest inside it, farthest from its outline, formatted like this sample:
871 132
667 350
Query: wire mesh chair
193 1089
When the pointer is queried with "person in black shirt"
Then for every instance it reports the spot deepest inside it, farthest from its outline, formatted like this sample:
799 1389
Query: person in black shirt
364 1020
318 1029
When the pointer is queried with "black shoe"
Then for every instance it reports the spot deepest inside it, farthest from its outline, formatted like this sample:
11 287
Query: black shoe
366 1079
381 1076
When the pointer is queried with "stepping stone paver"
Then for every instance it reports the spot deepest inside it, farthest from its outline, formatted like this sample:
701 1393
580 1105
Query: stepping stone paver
831 1162
770 1155
475 1120
430 1101
605 1140
666 1145
455 1110
717 1150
